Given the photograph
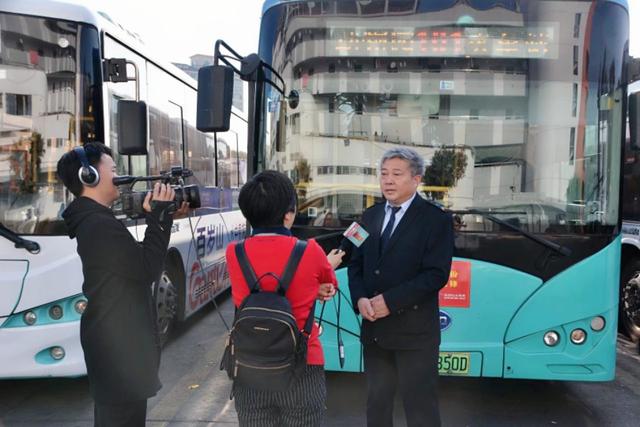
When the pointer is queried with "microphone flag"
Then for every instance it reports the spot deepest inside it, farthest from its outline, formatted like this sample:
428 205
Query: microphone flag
356 234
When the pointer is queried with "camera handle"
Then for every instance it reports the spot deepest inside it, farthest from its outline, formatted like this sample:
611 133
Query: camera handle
132 180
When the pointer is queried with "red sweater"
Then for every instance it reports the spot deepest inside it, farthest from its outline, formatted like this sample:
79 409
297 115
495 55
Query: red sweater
270 253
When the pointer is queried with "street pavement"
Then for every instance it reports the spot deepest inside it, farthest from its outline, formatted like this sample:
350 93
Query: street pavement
196 392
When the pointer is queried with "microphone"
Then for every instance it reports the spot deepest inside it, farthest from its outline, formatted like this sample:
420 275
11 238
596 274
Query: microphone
344 244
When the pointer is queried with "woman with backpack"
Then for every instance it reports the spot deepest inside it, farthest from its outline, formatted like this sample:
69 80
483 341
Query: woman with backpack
274 317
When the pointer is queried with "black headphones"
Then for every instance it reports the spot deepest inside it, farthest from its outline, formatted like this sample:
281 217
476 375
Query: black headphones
87 174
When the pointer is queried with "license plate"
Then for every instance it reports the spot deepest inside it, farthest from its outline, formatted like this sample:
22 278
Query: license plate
454 363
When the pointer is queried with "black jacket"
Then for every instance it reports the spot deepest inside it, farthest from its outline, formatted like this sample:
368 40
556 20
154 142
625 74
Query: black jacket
118 328
413 268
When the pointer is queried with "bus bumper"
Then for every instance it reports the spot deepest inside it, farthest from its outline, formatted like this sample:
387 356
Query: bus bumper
26 351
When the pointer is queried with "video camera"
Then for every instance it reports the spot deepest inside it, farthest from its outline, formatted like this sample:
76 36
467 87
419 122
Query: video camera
131 201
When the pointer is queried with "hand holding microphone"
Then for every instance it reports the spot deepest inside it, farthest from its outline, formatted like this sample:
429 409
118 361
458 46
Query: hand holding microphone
335 257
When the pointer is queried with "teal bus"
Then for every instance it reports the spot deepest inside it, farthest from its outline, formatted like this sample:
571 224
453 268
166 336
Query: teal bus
518 108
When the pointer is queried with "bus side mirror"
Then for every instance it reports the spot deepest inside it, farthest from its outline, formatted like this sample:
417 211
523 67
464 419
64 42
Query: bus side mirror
215 95
634 120
132 127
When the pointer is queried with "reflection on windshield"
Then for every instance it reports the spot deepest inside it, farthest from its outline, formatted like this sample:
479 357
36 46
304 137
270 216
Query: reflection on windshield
499 100
38 119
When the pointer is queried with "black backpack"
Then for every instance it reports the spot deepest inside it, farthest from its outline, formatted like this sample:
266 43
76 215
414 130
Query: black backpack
265 349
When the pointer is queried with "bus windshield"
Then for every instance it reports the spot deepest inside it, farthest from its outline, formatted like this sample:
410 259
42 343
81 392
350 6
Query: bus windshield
49 102
497 96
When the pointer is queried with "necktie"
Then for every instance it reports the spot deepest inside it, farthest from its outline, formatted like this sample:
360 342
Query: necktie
386 233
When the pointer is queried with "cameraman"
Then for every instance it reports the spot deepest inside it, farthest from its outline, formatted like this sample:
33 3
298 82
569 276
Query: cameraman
118 328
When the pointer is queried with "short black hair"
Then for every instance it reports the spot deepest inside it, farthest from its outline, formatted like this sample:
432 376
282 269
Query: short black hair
69 164
267 198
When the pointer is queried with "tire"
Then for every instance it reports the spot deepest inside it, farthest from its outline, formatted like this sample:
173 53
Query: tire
166 303
630 300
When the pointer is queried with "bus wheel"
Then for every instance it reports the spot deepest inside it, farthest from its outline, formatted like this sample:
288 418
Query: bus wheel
166 300
630 300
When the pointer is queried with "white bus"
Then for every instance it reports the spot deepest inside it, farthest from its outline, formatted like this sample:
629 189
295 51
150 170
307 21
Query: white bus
54 95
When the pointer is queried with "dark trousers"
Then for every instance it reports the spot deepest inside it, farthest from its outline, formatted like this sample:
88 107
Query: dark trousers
302 405
125 414
414 373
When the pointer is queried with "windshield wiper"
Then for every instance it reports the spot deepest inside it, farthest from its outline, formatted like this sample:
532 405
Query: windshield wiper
19 242
563 250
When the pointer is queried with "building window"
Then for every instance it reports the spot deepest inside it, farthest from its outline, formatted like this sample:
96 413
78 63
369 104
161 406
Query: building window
572 146
575 60
576 25
18 105
345 170
574 103
295 124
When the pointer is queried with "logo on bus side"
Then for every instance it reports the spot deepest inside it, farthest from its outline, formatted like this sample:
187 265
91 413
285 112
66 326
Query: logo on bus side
445 320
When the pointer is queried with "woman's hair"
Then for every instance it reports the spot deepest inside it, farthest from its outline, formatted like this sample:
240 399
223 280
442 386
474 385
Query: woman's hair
266 198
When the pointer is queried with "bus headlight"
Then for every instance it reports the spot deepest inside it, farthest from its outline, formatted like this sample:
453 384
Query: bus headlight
598 323
578 336
57 353
551 338
55 312
80 306
30 318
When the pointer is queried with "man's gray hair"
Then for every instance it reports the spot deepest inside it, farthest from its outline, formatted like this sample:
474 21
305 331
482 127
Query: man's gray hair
416 162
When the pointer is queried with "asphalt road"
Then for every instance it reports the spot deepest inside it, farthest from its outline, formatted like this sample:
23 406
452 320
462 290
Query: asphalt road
196 393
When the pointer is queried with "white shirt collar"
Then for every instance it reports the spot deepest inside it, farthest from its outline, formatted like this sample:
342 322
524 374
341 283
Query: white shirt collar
404 206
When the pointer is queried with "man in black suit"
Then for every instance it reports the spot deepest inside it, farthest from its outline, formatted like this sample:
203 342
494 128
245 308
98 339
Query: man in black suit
394 279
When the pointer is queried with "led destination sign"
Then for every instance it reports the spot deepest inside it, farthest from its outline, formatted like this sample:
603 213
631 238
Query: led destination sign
505 42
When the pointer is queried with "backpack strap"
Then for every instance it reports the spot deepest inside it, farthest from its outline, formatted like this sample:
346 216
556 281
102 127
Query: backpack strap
292 266
247 270
287 276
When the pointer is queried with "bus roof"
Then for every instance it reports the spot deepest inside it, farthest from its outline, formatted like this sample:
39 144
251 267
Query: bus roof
73 10
268 4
